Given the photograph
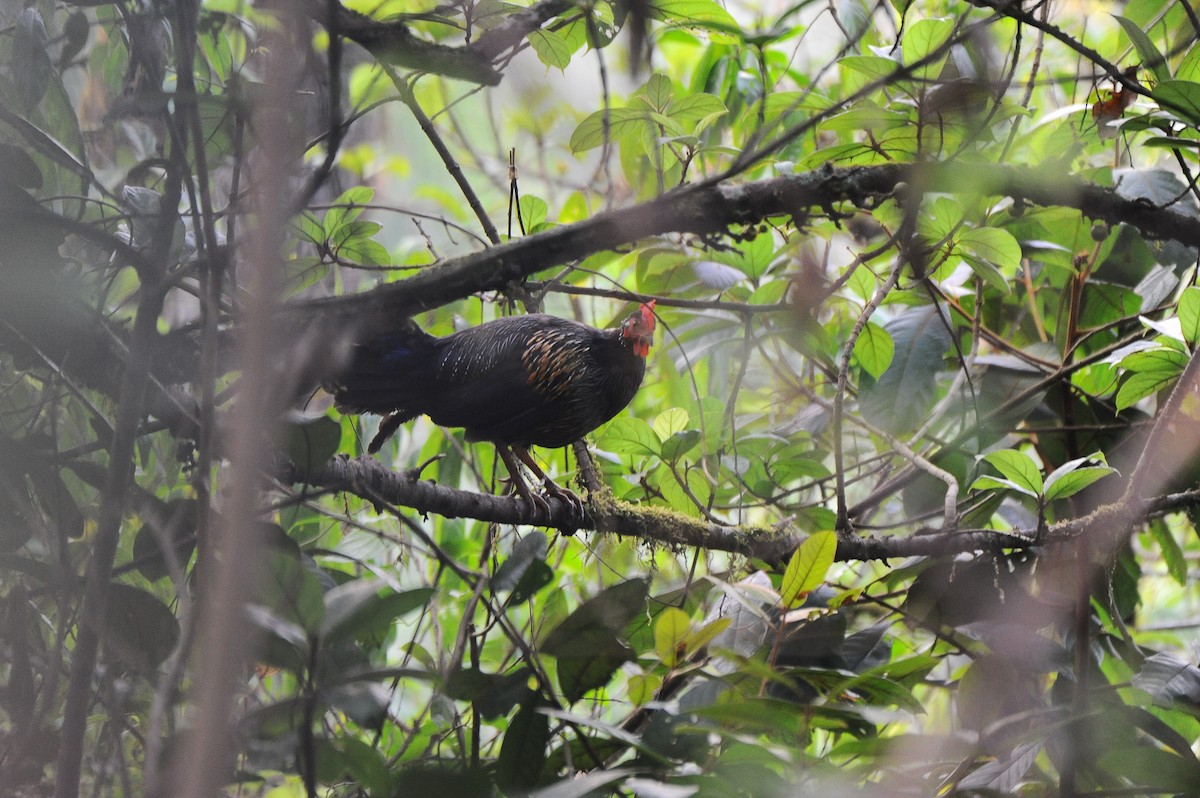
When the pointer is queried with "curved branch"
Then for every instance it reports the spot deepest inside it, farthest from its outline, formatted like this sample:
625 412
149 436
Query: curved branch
517 25
708 209
392 42
703 209
371 480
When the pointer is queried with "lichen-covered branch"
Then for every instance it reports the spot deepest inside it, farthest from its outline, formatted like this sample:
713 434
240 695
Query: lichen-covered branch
369 479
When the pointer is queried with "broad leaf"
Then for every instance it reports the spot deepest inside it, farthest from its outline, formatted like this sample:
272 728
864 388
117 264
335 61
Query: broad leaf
1019 468
874 350
807 568
900 399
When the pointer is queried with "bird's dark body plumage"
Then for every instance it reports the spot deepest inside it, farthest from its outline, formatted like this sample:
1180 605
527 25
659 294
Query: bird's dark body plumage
516 381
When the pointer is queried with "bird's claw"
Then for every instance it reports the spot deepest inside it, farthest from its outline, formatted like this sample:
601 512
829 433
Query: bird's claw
568 497
539 503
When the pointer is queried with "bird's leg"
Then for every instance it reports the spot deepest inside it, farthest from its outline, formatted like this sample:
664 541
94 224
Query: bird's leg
391 422
552 488
514 472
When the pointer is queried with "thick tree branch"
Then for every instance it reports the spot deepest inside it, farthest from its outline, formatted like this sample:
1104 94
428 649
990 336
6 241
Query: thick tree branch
713 208
517 25
393 43
702 209
371 480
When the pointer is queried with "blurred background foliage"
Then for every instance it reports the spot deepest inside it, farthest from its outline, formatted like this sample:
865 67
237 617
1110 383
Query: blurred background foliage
828 370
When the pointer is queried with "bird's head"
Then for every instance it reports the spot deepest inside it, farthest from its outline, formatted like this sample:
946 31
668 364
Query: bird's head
638 329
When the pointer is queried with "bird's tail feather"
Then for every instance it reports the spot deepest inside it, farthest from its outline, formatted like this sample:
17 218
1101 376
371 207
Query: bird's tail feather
387 374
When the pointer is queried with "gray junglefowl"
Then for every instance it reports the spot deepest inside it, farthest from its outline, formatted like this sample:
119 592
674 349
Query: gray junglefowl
518 381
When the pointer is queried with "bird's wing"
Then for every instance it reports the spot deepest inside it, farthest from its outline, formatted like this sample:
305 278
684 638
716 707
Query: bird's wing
483 381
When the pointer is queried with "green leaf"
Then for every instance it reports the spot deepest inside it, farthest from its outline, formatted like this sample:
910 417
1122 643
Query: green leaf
523 750
1159 186
293 592
693 108
492 694
866 117
610 611
367 606
770 293
872 66
1019 468
993 245
670 635
694 14
553 49
874 350
993 483
706 634
1189 67
621 122
807 568
309 443
533 211
1150 371
989 273
138 628
1151 58
754 257
529 549
353 229
1061 486
670 421
1153 769
642 687
346 208
924 37
900 399
310 228
366 252
1172 552
1189 315
657 91
366 765
680 443
597 656
671 484
173 521
630 435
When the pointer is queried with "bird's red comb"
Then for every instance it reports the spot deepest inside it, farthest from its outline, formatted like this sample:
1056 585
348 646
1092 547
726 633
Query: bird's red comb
648 313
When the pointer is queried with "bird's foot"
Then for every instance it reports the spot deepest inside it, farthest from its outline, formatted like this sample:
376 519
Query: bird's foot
569 497
536 502
539 502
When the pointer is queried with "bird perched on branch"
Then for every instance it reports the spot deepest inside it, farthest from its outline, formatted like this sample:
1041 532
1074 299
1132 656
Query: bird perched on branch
517 382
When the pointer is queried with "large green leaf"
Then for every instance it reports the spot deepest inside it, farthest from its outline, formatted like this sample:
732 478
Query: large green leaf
139 629
807 567
614 123
1149 371
1151 58
694 13
523 752
874 350
366 606
588 642
900 399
